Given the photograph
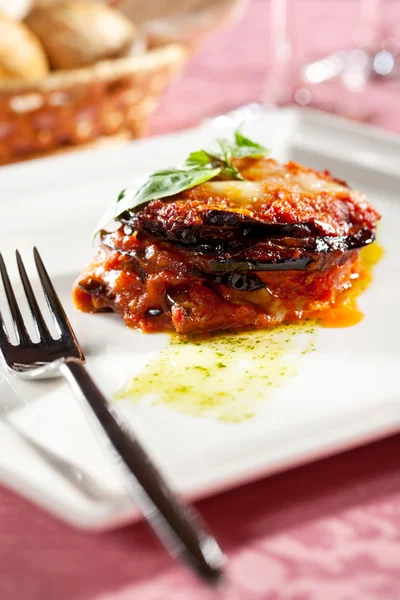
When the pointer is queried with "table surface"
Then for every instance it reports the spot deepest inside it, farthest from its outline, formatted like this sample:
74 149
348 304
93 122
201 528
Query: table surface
326 531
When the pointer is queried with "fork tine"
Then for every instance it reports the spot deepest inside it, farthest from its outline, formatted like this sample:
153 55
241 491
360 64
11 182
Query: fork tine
5 344
18 321
4 339
38 319
54 303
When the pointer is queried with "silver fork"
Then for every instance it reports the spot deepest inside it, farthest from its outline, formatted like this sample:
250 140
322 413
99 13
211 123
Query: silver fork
177 525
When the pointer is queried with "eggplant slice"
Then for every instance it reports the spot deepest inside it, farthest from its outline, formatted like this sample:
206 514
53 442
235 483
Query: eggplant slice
229 247
243 282
229 233
222 231
272 254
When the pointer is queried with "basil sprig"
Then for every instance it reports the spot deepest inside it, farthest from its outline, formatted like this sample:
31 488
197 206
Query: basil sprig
199 167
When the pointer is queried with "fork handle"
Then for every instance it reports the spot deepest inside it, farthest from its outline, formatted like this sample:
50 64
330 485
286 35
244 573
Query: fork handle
177 525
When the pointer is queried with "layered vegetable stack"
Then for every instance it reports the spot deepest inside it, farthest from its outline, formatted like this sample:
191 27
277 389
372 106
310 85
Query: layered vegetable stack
230 240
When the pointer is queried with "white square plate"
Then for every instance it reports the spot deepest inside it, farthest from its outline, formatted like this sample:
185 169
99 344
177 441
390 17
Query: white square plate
346 392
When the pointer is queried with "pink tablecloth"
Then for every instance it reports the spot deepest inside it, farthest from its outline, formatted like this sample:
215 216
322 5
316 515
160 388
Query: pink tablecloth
327 531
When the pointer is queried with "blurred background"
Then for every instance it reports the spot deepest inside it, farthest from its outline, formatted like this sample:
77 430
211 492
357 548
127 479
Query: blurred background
89 72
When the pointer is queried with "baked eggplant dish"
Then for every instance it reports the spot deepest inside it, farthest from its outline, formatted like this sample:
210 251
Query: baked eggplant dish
232 239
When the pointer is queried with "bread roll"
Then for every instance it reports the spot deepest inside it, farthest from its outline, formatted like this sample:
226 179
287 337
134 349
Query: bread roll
77 33
16 9
185 22
21 54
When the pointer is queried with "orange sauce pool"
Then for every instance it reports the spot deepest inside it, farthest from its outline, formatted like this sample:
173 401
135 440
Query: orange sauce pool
345 311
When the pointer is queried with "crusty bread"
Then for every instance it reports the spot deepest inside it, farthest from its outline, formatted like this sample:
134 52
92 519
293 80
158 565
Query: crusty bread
21 53
77 33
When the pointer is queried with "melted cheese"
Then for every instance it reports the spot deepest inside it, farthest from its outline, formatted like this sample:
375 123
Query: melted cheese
309 182
245 192
237 191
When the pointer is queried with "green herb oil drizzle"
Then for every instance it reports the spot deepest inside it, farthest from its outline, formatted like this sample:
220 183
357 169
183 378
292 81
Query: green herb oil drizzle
225 377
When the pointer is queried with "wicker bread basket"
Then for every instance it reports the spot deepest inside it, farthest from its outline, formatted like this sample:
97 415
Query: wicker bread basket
67 108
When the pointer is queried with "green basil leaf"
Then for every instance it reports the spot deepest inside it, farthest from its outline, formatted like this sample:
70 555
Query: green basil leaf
200 166
246 148
167 183
229 171
226 150
232 173
121 195
198 159
158 185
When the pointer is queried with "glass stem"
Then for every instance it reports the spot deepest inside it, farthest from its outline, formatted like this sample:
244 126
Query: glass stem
368 33
280 52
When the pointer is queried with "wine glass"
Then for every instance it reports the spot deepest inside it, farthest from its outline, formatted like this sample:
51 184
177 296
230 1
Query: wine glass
364 54
338 81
